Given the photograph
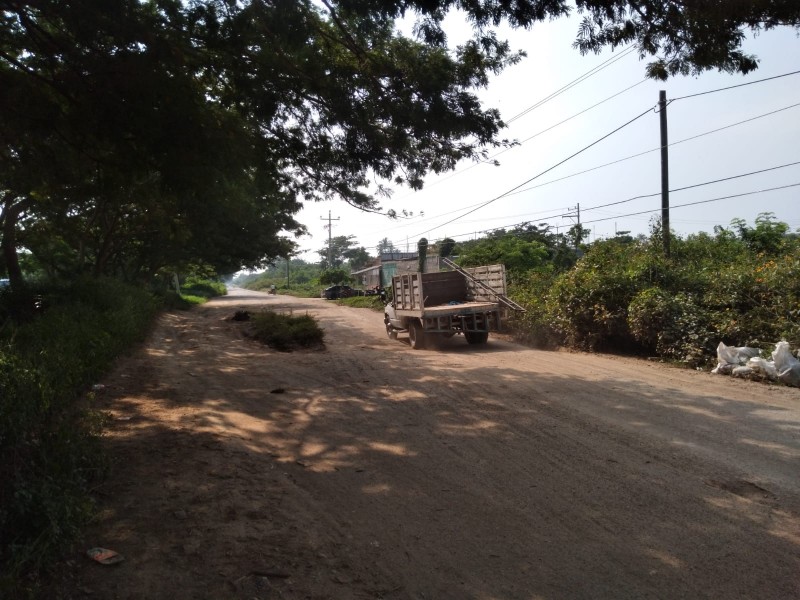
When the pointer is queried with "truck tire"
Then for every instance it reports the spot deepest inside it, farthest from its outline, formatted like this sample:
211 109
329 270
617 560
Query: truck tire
390 331
476 337
416 335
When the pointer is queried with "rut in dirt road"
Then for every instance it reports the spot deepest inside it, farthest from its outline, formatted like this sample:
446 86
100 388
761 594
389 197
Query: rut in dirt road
370 470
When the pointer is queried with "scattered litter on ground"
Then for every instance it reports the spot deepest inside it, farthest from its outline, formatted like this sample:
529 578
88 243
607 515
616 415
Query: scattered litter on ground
104 556
746 363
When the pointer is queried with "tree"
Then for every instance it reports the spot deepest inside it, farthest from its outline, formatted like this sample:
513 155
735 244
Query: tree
684 36
767 236
422 254
515 253
142 134
446 247
343 248
195 126
334 276
385 247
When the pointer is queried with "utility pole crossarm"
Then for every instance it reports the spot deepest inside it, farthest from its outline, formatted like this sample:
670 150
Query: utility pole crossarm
329 219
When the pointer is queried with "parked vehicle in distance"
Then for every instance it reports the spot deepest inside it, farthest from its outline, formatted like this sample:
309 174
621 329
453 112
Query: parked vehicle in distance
335 292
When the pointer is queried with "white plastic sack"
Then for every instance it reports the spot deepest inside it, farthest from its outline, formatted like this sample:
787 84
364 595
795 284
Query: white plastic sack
735 356
763 367
722 368
743 372
787 366
729 357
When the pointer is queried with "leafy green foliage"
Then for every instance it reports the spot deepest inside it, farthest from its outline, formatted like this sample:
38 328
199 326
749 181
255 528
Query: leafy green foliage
371 302
334 276
48 440
739 286
204 288
287 332
342 250
517 254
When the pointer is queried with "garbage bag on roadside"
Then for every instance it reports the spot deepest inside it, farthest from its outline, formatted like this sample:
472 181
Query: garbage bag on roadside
787 366
763 367
730 356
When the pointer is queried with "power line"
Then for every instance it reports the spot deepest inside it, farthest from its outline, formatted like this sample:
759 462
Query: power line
495 155
572 84
731 87
638 154
773 189
696 185
683 188
558 164
589 73
515 191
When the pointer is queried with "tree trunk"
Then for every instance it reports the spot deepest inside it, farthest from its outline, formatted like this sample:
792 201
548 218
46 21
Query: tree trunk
12 210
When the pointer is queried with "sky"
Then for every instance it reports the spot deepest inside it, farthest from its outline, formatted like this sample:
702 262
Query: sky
728 134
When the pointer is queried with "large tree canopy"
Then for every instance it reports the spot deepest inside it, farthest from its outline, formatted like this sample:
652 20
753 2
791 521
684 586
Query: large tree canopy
142 134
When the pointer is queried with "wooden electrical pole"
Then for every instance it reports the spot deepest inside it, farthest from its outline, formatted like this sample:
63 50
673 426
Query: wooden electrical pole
330 237
662 109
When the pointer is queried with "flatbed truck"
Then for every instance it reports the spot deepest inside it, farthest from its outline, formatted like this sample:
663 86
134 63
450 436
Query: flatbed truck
468 301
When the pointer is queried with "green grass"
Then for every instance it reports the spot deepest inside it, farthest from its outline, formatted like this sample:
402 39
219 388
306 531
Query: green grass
49 435
286 332
371 302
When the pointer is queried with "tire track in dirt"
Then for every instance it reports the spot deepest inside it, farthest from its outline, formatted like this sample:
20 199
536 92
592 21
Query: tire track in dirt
460 472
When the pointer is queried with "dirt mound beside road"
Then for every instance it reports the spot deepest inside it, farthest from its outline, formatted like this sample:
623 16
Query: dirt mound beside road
369 470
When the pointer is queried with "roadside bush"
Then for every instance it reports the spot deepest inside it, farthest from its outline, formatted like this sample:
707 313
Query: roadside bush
630 297
372 302
674 326
48 435
286 332
534 327
203 288
588 305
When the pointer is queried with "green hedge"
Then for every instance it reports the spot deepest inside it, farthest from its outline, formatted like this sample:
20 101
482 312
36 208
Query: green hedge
629 297
48 432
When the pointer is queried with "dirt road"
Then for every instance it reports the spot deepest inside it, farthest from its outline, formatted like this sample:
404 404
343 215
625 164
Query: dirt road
369 470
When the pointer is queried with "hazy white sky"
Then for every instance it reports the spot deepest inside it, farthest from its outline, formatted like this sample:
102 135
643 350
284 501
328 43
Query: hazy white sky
763 142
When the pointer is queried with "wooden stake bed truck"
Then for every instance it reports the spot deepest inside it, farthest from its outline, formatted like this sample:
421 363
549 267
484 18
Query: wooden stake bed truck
467 301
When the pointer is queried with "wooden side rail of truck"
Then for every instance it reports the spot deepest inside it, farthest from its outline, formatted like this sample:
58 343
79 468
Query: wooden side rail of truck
467 301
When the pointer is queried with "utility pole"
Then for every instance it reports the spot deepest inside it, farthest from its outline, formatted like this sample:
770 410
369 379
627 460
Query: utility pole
330 236
576 215
662 109
287 272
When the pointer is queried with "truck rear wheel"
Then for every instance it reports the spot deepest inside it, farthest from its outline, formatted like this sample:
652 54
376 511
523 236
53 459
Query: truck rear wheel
476 337
390 331
416 335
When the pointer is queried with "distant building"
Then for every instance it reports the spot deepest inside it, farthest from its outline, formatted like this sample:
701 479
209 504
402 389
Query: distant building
390 264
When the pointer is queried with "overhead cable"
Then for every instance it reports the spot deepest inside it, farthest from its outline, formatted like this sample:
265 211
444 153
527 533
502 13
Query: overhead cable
638 154
731 87
673 190
573 83
643 212
558 164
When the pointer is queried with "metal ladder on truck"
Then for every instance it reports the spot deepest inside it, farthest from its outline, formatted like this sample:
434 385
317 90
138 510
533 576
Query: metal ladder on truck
507 302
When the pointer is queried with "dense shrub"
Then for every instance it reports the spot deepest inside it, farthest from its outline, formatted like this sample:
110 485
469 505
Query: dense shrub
741 289
373 302
48 435
534 326
286 332
203 288
588 305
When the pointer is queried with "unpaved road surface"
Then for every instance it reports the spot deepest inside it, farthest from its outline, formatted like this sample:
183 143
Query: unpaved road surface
369 470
